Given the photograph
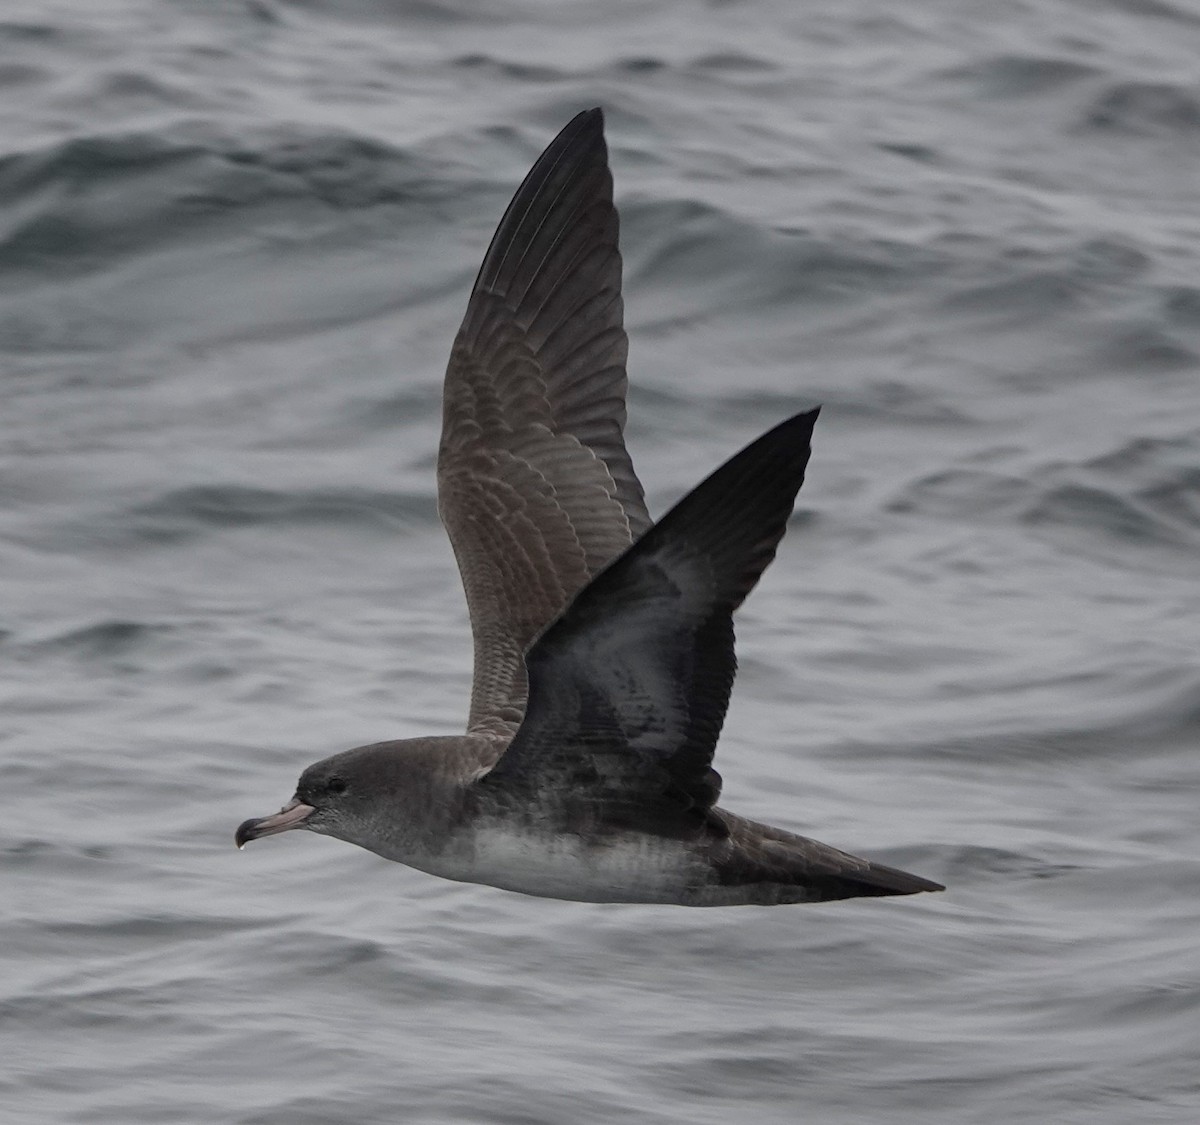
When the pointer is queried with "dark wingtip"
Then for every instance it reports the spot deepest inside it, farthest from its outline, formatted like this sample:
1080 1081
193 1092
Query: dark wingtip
578 147
585 121
738 514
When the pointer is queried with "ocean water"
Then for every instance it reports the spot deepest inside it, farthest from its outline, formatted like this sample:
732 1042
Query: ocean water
236 237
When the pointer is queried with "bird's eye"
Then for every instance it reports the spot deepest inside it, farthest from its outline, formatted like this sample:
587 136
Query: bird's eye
337 786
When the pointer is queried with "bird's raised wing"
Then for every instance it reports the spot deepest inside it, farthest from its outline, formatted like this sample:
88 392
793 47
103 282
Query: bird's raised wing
629 688
535 487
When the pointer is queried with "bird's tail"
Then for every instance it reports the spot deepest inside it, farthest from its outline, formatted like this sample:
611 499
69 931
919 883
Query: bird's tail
802 870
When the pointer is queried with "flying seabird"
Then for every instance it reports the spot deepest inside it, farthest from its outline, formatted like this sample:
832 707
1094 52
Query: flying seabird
604 649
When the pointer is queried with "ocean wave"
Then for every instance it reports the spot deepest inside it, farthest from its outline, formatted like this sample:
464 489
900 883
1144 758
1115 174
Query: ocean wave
1019 76
1143 495
84 203
185 512
1148 109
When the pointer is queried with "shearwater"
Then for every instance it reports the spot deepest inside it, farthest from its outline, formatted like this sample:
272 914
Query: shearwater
604 652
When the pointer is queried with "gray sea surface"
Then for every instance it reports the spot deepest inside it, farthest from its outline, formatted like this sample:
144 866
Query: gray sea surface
236 238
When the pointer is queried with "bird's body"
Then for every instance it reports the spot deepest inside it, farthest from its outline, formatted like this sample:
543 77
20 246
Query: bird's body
603 643
445 825
753 864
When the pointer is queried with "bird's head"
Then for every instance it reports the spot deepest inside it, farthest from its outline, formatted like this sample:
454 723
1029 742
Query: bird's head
376 796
